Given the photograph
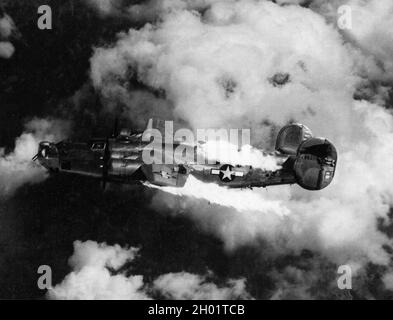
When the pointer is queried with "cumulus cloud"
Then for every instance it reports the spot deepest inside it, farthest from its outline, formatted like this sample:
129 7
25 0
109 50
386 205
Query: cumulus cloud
99 272
92 277
186 286
6 28
6 49
219 81
16 167
370 30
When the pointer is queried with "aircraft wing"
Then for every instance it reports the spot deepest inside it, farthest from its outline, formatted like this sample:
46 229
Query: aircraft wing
243 176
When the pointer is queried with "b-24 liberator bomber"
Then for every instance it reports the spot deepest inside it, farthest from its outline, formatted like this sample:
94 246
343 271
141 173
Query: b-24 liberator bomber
306 160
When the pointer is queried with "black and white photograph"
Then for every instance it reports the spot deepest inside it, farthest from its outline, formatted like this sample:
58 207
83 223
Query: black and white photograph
215 151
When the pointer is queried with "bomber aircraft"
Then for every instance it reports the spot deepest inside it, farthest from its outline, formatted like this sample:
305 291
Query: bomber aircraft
303 159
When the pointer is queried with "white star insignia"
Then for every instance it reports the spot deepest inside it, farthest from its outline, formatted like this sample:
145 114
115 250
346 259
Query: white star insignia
227 173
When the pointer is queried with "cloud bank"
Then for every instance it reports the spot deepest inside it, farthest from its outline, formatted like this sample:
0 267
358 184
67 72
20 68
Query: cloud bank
370 32
97 274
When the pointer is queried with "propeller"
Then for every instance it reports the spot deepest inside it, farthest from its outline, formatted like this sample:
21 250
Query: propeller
105 166
107 154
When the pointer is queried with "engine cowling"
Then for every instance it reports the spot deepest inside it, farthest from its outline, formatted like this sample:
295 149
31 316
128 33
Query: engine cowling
315 163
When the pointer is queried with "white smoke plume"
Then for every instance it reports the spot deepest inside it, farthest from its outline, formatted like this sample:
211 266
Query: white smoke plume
17 167
245 201
6 28
224 68
97 274
226 152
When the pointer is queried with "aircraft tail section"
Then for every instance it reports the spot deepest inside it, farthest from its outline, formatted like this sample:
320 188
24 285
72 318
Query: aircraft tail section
291 137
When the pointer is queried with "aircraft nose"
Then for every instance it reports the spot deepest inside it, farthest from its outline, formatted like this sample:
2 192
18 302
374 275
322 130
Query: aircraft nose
41 153
47 155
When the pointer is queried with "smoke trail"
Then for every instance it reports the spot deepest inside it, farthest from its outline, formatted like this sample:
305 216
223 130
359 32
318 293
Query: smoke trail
225 152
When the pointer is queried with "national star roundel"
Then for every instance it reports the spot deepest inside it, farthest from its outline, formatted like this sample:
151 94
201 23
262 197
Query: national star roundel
227 174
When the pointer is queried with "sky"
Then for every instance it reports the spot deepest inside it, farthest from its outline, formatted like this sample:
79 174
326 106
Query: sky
207 63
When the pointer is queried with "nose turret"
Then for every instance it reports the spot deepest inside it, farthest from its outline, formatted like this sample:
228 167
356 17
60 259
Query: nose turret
48 155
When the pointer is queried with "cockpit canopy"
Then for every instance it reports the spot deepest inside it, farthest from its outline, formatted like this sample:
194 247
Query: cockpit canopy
127 136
